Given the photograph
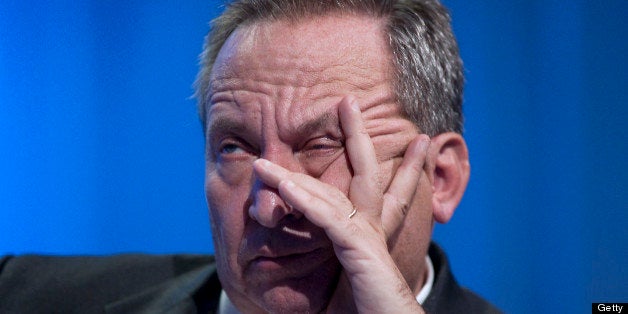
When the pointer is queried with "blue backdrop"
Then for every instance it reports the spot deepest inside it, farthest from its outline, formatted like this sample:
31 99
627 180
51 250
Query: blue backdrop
101 150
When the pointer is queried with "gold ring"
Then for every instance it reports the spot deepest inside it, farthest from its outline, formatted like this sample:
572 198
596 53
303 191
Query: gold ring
355 210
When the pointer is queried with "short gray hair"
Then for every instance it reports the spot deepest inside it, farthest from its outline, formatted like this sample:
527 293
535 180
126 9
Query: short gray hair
428 69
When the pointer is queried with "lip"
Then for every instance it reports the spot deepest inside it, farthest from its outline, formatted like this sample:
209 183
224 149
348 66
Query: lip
288 265
286 251
271 262
282 242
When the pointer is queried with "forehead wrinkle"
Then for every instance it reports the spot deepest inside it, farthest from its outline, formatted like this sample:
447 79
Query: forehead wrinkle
380 98
269 81
239 88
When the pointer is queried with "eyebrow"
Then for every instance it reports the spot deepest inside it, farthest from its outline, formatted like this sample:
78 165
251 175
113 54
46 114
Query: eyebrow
222 124
326 121
225 124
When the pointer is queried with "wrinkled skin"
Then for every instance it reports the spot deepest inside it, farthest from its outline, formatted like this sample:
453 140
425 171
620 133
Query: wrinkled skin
303 127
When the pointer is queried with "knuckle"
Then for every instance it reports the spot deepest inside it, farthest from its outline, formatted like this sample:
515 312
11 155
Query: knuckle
402 206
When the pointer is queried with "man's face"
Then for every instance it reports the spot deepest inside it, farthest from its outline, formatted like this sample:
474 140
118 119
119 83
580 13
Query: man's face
275 94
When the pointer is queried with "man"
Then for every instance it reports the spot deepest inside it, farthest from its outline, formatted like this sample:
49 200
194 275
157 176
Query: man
333 143
322 185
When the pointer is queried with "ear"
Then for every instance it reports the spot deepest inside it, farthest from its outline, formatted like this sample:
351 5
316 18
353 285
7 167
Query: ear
449 173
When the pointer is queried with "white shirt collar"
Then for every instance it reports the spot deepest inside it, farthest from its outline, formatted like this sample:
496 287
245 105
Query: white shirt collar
226 307
429 282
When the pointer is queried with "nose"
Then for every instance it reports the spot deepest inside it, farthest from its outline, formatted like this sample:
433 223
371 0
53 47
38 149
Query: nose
268 208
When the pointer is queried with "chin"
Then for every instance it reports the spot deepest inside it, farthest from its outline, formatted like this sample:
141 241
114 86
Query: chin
287 300
307 294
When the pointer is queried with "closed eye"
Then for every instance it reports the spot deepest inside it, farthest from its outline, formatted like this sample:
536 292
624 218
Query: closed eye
322 146
317 154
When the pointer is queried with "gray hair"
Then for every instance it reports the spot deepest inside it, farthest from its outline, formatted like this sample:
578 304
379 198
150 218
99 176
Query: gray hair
428 69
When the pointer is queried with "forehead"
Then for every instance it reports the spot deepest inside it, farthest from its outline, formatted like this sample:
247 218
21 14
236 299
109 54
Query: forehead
309 64
309 44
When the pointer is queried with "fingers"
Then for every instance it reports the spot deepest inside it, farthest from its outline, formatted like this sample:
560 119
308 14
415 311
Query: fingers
369 271
322 212
401 192
273 175
322 204
365 191
358 143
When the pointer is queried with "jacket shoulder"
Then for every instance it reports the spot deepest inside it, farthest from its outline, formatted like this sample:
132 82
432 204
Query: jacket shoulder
30 283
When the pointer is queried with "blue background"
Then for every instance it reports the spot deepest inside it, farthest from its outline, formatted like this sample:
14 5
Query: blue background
101 150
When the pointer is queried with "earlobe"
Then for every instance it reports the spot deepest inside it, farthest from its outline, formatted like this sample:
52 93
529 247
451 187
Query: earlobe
450 174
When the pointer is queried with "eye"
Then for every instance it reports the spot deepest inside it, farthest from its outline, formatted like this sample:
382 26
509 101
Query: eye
319 153
322 146
232 149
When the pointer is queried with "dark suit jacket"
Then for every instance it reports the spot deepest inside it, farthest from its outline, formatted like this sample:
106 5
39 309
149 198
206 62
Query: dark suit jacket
159 284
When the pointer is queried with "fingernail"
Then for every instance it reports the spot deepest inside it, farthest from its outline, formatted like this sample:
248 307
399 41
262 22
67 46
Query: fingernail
288 184
262 163
354 105
421 146
425 143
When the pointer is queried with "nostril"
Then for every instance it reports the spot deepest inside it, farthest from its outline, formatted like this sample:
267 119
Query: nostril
266 206
293 212
268 216
273 216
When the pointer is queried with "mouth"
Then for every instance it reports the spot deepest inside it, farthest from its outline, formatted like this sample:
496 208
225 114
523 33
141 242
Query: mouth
287 260
285 252
288 265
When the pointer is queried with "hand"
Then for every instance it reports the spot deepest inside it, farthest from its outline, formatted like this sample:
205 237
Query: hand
370 276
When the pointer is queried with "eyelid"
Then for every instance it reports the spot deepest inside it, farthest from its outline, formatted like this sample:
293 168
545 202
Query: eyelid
221 143
324 146
227 142
316 160
328 139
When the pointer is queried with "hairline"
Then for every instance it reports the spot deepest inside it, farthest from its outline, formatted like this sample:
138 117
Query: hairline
292 17
431 101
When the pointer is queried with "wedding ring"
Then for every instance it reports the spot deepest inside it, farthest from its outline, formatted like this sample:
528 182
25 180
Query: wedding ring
355 210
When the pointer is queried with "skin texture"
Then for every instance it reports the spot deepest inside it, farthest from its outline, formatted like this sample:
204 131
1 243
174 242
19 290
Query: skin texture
303 127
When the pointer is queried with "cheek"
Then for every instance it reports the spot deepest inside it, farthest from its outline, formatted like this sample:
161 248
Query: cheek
338 174
387 170
232 173
226 196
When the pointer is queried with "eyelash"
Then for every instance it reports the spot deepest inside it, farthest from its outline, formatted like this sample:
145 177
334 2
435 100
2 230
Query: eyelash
230 144
312 146
225 147
317 147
